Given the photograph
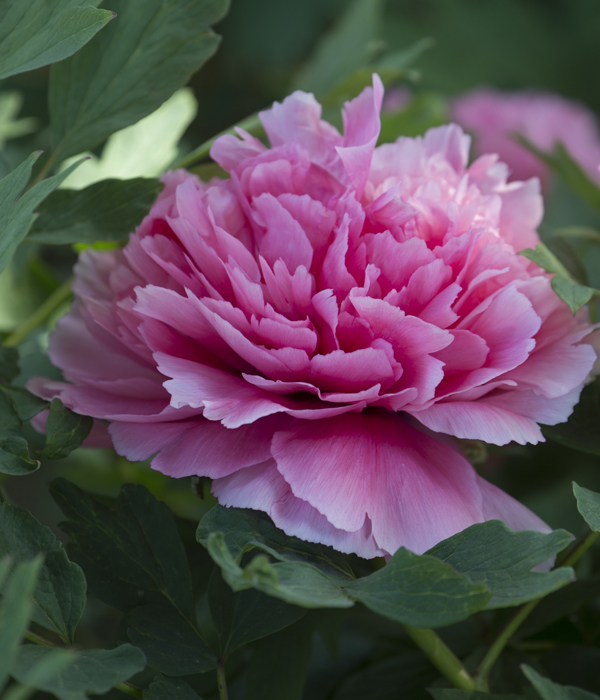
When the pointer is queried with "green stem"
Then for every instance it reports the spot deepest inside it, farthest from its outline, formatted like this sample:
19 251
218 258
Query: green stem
483 671
41 314
221 681
441 657
45 169
251 124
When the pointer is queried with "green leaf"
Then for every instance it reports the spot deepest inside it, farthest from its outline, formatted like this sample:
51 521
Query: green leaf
37 33
46 668
424 111
9 364
106 211
60 595
129 69
15 610
453 694
420 591
350 45
581 432
492 554
575 295
171 643
16 212
548 690
130 551
93 671
65 430
588 504
279 663
245 616
14 457
25 404
163 688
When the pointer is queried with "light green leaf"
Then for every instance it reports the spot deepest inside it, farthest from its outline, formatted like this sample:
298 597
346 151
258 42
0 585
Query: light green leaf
548 690
91 671
16 212
60 594
350 45
575 295
65 430
172 645
129 69
15 610
130 551
492 554
588 504
10 127
37 33
145 149
163 688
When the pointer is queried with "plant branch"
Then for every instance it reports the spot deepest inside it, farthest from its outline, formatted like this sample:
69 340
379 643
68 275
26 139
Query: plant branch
441 657
41 314
221 681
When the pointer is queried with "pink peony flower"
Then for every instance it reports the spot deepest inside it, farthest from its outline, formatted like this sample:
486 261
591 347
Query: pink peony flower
308 332
544 119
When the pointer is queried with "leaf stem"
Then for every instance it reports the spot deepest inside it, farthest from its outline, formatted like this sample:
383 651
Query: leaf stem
221 681
441 657
41 314
45 169
492 654
251 124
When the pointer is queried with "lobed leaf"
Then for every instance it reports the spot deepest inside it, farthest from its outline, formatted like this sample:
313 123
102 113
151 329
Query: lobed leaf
60 593
588 504
129 69
37 33
65 430
548 690
46 668
492 554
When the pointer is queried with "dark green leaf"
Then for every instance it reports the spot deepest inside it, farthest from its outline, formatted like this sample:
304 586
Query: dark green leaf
492 554
105 211
279 662
588 504
163 688
420 591
60 594
26 404
350 45
9 363
426 110
37 33
16 209
131 552
15 609
14 457
129 69
581 432
548 690
453 694
65 430
171 643
242 617
575 295
92 671
49 666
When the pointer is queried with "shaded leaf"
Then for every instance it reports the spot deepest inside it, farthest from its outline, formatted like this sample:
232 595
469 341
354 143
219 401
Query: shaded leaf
60 594
130 552
248 615
424 111
65 430
26 405
15 609
172 645
548 690
37 33
106 211
581 432
163 688
41 673
492 554
279 662
91 671
14 457
454 694
588 504
9 363
16 209
129 69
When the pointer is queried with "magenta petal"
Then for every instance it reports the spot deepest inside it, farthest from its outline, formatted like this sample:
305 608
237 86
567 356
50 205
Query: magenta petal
415 489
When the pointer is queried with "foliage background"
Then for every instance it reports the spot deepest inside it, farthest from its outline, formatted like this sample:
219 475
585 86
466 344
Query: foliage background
510 44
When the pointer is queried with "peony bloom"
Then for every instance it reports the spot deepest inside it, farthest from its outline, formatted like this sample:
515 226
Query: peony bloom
308 332
544 119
